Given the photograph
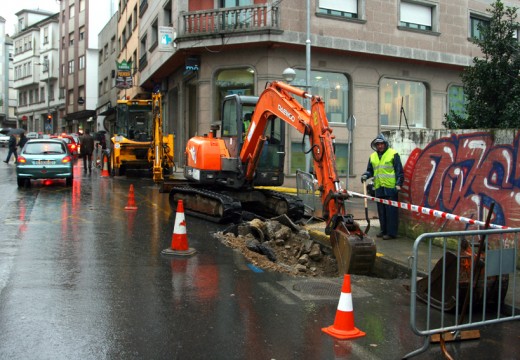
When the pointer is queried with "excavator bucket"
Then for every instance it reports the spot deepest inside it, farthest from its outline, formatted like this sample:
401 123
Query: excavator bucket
355 252
447 285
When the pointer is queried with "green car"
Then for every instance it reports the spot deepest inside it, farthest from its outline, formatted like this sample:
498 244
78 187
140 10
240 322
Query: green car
44 159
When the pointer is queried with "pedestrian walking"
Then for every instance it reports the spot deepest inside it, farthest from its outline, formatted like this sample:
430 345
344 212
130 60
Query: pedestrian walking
12 149
385 166
87 148
22 141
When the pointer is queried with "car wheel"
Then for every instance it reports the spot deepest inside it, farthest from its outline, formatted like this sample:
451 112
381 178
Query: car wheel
21 182
68 181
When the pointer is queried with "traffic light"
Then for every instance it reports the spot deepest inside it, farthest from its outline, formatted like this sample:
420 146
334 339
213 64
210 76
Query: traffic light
49 118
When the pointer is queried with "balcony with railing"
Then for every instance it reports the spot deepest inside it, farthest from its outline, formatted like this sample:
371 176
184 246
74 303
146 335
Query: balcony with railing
254 18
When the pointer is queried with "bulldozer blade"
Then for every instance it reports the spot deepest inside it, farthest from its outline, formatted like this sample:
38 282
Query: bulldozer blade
355 253
463 335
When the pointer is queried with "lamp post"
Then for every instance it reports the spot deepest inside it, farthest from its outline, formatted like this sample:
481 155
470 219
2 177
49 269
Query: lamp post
48 117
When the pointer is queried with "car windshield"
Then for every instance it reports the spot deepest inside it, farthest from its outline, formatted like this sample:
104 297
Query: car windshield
44 148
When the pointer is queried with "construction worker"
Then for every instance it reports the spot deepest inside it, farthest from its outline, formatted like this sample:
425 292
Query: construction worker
386 168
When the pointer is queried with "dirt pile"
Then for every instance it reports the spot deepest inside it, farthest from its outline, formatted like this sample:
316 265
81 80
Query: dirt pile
280 245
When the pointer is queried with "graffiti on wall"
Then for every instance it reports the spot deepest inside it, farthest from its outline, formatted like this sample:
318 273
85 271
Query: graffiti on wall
463 175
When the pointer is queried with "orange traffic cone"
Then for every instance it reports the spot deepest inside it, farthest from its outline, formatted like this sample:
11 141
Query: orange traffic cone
104 172
343 327
131 199
179 245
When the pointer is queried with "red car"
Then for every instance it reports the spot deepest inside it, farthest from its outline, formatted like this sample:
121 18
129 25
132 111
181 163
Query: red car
71 144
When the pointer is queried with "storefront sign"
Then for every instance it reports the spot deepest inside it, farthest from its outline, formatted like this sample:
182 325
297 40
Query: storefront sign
166 37
124 78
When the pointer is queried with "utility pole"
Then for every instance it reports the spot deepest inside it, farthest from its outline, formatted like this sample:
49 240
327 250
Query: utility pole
47 122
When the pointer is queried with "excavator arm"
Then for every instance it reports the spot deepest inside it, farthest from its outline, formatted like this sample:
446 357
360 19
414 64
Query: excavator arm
160 153
354 250
278 100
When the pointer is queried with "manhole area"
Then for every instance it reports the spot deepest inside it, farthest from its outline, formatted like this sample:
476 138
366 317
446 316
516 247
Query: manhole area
322 289
318 288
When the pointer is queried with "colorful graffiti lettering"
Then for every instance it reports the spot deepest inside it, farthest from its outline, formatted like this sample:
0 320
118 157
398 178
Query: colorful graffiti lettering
464 175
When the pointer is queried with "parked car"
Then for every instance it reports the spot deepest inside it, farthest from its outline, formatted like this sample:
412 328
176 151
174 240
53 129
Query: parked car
44 159
4 140
71 144
76 139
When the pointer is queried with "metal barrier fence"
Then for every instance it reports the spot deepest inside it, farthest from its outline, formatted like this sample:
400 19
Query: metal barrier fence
306 190
463 290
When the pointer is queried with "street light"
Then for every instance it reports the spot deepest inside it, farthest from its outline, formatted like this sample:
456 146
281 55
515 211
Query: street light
48 117
289 74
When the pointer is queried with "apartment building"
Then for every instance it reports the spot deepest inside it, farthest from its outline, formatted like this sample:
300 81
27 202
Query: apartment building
382 64
128 41
7 93
35 64
80 22
107 58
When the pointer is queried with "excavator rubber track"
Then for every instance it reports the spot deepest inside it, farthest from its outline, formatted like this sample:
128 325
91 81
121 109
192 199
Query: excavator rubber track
295 206
206 204
225 206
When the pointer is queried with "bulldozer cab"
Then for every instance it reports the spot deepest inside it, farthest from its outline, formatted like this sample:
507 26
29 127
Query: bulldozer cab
237 112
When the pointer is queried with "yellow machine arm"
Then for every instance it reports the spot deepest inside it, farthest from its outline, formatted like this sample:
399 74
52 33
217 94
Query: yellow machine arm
161 148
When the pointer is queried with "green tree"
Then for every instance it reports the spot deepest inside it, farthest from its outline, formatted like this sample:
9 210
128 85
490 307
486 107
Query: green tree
492 84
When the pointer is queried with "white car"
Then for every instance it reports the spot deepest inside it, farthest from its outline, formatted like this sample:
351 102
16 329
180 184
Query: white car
4 140
32 135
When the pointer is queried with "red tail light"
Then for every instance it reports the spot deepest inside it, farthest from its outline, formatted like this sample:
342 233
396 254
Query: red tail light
66 159
72 146
21 160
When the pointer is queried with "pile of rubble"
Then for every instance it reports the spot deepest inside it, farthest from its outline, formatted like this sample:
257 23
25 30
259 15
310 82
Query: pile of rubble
280 245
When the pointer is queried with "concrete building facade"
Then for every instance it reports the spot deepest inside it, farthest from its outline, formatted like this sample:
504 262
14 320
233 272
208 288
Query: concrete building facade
35 65
7 93
80 23
378 65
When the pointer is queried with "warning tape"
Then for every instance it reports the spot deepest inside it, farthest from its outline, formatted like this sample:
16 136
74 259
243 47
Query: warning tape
428 211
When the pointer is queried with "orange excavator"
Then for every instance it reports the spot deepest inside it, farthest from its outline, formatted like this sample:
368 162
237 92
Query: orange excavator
224 173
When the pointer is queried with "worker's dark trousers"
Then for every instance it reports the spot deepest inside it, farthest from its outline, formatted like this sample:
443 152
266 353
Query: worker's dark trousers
388 217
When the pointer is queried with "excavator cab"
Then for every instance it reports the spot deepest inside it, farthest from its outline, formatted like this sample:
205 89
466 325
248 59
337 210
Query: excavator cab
237 112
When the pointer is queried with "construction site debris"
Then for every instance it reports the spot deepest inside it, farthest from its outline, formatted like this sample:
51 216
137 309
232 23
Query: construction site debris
278 245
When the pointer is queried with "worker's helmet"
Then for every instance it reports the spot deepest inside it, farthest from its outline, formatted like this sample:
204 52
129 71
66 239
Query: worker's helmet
379 139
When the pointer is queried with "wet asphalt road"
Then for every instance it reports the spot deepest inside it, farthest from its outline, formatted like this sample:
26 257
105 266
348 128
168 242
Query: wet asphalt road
81 278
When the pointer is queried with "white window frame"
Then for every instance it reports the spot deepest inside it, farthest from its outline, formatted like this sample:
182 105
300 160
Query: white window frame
423 14
354 7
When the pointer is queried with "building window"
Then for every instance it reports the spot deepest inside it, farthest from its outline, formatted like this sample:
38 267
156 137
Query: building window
105 50
51 92
457 101
113 44
416 16
402 102
71 11
81 5
234 3
71 39
46 35
332 87
71 67
81 33
233 81
100 57
81 62
346 8
477 24
42 94
142 50
155 34
298 159
168 13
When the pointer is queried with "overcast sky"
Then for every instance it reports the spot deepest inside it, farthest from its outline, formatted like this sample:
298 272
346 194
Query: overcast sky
9 8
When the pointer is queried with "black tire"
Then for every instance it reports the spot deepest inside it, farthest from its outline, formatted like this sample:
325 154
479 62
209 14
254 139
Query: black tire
68 181
21 182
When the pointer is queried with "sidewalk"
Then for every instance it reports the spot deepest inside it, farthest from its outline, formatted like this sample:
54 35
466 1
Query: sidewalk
394 256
